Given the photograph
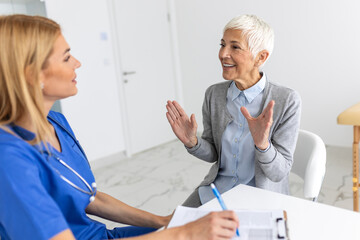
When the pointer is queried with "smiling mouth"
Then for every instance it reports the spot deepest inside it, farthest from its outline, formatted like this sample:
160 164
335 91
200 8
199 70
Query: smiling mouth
228 65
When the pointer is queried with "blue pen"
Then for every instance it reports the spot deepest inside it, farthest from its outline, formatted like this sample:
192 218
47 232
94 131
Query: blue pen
221 201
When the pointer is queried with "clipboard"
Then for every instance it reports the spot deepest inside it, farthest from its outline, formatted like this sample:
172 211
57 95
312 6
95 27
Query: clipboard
282 225
254 224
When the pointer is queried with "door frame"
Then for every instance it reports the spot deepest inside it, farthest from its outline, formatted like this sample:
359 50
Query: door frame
118 70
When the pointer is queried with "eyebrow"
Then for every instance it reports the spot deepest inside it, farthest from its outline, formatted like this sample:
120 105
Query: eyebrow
231 41
67 50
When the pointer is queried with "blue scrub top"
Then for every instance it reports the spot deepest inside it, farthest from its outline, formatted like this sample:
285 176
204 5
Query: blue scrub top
35 202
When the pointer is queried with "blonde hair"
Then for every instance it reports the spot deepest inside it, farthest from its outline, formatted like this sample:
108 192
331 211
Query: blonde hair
26 43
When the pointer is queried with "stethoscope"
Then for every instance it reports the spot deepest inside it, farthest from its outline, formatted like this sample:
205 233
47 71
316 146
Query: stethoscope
91 189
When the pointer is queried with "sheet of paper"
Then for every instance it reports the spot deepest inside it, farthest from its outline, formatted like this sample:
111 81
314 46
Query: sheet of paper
254 224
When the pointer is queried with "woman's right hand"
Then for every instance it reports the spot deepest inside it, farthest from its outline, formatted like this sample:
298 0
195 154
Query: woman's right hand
215 225
183 126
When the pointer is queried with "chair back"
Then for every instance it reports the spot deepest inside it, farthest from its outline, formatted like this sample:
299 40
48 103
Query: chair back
310 162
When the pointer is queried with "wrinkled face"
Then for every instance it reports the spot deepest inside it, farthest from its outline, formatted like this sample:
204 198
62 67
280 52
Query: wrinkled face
59 75
235 56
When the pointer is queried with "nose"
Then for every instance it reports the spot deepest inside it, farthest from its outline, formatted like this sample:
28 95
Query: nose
77 63
224 53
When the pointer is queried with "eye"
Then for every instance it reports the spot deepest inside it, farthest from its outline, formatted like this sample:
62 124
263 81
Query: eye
236 47
222 44
67 58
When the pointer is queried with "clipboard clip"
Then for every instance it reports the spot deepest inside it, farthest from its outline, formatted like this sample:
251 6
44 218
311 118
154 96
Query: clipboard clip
279 221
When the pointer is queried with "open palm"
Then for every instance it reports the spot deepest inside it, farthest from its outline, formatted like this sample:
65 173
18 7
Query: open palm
183 126
260 127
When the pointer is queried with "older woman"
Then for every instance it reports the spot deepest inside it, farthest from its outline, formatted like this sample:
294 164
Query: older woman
46 185
250 123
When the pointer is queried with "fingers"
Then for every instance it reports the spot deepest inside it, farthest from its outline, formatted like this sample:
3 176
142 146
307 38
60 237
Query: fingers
193 121
175 110
174 114
270 107
169 118
215 225
231 223
179 108
230 215
268 113
227 223
246 113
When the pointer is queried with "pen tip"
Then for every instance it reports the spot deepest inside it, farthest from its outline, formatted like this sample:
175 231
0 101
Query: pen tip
212 185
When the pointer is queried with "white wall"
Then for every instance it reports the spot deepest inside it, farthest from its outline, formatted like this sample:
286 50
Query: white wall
316 52
86 27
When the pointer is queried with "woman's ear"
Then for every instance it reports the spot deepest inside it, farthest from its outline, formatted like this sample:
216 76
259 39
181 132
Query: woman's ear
42 79
261 57
30 77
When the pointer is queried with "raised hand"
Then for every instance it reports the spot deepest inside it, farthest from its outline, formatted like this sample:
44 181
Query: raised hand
183 126
260 127
215 225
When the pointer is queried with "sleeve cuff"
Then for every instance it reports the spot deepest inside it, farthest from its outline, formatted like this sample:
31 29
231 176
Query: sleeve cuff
265 150
194 148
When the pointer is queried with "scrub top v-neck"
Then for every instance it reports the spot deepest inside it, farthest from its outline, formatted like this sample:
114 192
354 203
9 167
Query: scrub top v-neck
32 190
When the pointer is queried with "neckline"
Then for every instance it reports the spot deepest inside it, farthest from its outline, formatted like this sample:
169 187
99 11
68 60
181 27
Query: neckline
21 132
27 136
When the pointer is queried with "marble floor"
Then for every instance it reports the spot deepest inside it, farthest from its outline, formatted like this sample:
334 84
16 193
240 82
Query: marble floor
159 179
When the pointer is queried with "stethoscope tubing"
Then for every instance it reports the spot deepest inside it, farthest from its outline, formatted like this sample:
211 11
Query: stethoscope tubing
92 188
71 135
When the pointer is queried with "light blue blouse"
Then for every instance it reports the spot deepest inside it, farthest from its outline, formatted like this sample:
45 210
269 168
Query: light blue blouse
238 152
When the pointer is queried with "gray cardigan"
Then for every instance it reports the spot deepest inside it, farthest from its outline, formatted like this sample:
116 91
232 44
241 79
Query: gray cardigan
271 167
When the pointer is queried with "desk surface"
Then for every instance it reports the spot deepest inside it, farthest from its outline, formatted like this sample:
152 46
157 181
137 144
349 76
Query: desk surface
306 220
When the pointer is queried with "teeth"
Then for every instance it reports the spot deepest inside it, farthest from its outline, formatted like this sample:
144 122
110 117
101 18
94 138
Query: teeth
228 65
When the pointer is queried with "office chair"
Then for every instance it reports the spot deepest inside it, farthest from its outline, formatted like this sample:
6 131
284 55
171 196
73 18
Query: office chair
309 162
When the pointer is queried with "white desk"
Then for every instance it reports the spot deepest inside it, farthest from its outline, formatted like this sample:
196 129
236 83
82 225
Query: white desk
306 220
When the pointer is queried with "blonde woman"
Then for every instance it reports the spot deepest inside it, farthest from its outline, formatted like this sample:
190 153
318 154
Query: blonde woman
46 184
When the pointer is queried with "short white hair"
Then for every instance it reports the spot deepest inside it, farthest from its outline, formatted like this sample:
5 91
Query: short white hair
259 35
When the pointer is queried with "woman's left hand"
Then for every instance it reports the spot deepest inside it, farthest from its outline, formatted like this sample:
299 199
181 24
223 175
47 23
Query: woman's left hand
260 126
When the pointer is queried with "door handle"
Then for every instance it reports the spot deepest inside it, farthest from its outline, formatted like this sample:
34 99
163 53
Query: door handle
129 73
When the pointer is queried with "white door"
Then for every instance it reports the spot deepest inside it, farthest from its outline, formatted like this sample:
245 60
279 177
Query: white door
143 35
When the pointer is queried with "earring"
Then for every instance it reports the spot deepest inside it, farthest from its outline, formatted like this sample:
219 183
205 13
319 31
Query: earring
41 85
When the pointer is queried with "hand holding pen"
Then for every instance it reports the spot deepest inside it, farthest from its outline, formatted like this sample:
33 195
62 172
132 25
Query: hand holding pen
222 203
